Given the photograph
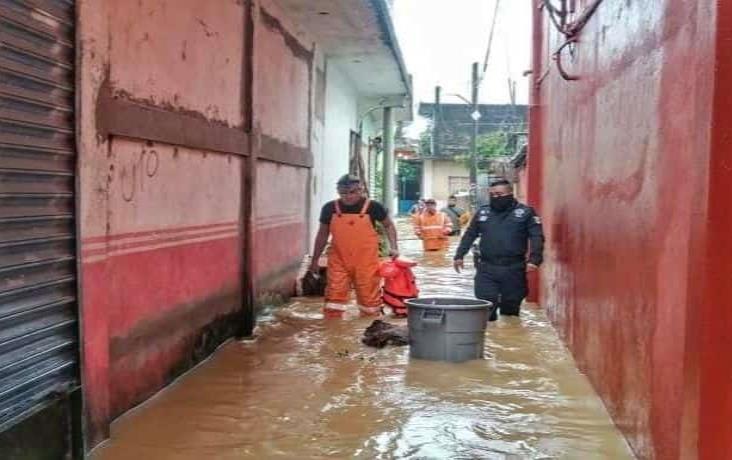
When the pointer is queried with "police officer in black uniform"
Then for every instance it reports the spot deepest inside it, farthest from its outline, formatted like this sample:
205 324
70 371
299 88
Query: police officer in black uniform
505 227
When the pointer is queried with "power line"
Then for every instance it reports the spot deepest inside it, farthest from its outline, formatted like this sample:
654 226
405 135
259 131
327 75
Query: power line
490 43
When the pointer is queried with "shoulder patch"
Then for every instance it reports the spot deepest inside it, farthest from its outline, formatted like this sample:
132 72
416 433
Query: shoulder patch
519 212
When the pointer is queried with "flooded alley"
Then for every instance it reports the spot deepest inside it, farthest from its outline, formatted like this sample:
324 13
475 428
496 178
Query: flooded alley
307 388
173 171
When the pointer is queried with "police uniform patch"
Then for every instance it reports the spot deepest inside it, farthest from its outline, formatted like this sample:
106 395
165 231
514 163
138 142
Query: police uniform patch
520 212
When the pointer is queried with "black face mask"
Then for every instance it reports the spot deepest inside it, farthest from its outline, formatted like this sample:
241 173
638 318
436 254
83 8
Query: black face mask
502 203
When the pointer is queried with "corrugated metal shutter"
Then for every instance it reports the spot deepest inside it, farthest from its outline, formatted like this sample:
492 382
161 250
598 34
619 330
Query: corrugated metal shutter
38 308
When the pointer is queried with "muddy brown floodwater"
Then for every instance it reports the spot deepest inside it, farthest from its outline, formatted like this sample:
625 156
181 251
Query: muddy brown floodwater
307 389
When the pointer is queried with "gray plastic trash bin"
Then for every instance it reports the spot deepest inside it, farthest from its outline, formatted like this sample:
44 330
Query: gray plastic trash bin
447 329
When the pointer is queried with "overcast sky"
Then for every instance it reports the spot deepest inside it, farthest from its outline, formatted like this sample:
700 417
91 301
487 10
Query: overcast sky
440 39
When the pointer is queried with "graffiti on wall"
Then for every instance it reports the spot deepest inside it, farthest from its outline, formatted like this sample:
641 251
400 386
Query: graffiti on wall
135 174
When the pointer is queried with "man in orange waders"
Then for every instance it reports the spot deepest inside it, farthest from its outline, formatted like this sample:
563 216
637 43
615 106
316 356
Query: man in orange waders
433 227
353 259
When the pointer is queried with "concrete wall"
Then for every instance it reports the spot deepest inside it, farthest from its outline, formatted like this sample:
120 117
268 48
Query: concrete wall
317 144
159 223
621 159
341 117
428 173
521 185
442 170
371 128
199 125
162 221
283 94
280 239
712 323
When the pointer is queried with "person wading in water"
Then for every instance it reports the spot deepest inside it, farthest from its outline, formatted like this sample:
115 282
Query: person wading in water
353 259
458 216
433 227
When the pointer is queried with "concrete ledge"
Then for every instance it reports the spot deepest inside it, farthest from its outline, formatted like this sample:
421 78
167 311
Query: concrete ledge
122 116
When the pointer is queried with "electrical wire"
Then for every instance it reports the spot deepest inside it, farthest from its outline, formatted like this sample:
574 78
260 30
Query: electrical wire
511 81
570 30
576 26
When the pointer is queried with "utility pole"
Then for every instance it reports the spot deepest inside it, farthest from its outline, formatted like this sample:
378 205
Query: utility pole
512 90
389 163
436 123
475 115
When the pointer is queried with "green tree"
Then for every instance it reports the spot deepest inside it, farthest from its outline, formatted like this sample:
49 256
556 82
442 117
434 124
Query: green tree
425 142
409 171
492 144
489 146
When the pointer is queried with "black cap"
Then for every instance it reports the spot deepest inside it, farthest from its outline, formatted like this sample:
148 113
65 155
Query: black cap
347 180
430 201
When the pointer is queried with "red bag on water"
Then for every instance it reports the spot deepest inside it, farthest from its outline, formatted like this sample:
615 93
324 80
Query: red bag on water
399 284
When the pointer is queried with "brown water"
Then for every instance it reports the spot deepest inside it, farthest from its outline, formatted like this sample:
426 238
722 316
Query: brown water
308 389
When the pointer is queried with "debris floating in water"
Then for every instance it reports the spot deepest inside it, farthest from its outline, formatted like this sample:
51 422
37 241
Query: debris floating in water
380 334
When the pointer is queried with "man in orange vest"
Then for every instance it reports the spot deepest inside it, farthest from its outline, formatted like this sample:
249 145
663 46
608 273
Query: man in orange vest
433 227
353 259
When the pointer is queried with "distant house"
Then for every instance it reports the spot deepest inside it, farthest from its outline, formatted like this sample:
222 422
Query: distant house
445 151
451 125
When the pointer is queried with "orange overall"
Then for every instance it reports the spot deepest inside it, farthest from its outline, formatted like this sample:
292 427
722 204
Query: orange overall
353 260
433 229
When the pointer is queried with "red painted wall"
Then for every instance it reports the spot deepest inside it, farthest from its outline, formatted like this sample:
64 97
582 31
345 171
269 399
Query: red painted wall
281 228
522 187
711 312
282 84
619 165
283 89
161 225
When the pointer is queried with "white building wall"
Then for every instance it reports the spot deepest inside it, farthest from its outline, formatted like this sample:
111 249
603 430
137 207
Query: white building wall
331 161
317 146
427 178
369 130
442 170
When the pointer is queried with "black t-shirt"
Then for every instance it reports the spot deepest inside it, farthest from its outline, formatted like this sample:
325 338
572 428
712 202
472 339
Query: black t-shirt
376 211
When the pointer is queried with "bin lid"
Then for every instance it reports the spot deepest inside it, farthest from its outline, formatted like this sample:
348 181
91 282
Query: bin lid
448 303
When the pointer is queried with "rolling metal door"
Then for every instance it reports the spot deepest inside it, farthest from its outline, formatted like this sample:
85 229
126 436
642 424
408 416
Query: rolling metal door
38 308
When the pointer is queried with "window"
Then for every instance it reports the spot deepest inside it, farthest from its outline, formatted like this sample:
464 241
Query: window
456 184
